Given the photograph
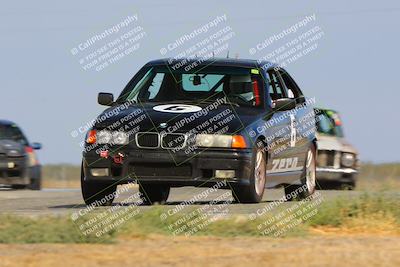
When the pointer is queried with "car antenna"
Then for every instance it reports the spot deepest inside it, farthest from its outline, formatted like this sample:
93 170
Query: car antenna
227 54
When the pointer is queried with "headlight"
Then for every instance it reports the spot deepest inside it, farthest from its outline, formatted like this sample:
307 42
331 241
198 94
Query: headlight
211 140
216 140
103 137
120 138
348 160
115 138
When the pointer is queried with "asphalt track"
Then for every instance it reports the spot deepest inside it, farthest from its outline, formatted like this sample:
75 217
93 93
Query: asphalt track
68 201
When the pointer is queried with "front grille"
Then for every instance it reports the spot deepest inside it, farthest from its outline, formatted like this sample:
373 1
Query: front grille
173 141
166 141
10 173
328 158
147 140
161 170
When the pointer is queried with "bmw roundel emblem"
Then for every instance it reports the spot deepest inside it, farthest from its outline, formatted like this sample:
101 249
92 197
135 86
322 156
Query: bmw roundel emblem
163 125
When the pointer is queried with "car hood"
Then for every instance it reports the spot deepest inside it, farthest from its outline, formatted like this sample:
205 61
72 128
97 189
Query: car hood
224 118
326 142
11 148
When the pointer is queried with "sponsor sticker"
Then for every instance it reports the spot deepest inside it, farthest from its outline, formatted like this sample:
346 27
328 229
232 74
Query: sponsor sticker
255 71
285 165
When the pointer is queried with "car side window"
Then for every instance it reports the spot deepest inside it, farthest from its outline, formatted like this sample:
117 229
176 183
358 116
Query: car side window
291 86
278 90
155 86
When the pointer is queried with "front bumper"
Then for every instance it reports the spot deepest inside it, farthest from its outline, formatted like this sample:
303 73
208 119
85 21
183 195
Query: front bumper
13 171
332 174
161 166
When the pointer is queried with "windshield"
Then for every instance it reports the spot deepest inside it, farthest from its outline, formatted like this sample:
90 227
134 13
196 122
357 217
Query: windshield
12 132
329 123
163 84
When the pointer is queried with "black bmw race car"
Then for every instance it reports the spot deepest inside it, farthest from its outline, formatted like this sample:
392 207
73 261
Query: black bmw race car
19 166
237 124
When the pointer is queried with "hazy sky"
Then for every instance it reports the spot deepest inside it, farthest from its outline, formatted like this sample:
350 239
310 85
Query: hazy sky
46 91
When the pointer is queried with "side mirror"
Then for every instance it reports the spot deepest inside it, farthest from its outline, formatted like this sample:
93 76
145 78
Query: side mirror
284 104
105 99
36 146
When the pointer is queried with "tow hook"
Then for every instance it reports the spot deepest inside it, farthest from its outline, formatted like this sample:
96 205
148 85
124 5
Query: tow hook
104 154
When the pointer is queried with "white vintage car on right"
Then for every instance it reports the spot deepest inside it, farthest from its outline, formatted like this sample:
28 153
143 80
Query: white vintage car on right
337 160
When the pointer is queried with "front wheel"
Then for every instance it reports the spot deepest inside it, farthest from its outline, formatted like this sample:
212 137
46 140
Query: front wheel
254 191
307 188
35 174
18 186
35 184
154 193
102 194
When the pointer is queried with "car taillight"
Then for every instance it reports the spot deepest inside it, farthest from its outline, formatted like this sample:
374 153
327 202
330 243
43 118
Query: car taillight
238 142
32 160
91 137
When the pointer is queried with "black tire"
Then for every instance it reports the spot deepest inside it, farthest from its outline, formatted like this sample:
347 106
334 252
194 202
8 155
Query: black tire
102 194
348 185
254 191
18 186
329 185
154 193
335 185
35 174
307 188
35 184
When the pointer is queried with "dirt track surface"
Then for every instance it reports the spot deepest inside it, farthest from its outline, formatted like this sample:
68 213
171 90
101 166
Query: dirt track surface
211 251
66 201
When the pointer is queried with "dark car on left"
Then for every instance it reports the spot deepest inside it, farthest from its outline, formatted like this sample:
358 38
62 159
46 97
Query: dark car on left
19 165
